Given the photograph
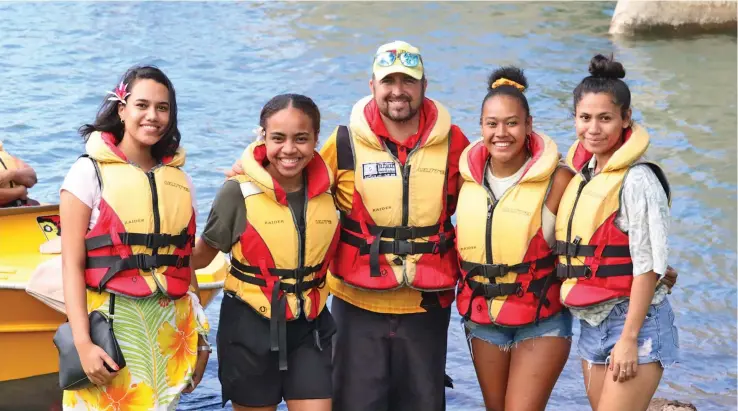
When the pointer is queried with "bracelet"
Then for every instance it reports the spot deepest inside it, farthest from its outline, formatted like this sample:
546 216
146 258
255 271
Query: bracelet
207 348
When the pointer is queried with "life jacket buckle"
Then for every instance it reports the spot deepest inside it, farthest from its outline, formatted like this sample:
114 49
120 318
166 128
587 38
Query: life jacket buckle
402 248
495 270
142 262
574 250
180 262
519 292
587 272
404 233
151 242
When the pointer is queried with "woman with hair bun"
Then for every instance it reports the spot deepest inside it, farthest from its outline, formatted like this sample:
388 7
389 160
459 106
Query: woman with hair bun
611 238
519 333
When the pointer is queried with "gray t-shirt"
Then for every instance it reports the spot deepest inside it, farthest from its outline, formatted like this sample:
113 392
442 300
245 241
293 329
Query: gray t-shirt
227 219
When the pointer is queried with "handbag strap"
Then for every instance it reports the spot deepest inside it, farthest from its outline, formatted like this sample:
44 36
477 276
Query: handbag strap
111 309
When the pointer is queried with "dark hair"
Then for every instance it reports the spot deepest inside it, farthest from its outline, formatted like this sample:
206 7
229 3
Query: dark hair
510 73
108 120
605 74
298 101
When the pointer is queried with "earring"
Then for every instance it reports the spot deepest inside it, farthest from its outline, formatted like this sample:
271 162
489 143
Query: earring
121 121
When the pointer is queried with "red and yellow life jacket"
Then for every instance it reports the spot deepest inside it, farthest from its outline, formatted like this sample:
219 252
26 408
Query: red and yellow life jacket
507 267
398 232
8 162
143 238
594 254
280 275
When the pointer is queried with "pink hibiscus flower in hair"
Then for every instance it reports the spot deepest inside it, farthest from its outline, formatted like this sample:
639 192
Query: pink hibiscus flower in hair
120 93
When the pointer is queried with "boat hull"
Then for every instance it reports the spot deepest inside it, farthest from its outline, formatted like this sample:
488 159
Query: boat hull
27 325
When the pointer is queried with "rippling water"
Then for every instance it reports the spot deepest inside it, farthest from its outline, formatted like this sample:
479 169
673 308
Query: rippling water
227 59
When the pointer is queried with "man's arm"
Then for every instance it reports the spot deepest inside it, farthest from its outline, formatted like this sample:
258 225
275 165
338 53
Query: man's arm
459 142
11 194
343 180
25 175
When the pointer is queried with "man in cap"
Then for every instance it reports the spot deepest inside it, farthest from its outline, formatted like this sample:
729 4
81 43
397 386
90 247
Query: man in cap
396 184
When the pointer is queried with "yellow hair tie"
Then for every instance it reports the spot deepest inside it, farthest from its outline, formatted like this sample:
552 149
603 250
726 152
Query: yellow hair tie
505 82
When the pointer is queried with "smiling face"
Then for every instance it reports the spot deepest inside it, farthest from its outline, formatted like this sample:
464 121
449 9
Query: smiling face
146 112
290 142
398 96
600 123
505 127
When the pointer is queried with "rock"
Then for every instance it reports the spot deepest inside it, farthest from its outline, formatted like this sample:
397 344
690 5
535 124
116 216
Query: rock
660 404
634 16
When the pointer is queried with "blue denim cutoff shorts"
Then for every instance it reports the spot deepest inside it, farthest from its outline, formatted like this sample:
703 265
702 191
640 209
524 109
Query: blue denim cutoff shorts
658 339
558 325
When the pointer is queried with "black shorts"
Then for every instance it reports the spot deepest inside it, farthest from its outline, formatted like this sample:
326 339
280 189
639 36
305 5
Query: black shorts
387 362
249 371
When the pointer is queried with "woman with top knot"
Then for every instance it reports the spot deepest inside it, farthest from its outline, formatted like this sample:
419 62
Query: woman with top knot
611 238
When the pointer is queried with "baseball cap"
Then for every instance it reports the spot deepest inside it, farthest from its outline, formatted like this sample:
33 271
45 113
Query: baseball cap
397 57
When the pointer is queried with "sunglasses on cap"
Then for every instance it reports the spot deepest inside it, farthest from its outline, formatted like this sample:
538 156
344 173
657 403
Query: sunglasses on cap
388 58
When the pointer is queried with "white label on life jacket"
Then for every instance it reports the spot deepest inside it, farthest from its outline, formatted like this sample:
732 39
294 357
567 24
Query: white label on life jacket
377 170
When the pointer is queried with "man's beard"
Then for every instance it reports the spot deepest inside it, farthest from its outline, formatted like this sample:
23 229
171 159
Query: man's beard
403 118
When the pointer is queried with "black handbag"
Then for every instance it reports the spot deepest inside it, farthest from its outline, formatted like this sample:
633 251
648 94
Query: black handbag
71 374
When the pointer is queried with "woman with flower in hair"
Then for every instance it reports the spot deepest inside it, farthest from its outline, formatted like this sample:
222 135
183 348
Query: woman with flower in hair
519 334
128 212
279 224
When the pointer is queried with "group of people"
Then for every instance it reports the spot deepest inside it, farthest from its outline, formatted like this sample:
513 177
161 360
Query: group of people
539 240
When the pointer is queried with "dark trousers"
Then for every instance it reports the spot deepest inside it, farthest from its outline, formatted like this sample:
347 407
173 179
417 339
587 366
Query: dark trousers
388 362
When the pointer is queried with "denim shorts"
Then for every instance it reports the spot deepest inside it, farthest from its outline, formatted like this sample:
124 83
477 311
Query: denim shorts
557 325
658 340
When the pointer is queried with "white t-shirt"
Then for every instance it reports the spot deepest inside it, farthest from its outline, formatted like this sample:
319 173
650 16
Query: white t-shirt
81 181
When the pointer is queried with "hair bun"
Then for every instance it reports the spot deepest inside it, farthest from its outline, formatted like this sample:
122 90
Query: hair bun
603 67
510 73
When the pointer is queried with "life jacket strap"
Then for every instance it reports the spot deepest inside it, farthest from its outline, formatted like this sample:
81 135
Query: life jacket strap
116 264
564 271
151 241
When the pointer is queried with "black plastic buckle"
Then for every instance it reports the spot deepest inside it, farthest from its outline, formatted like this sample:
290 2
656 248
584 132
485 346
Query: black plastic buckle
402 248
151 241
404 233
180 262
573 248
519 291
491 290
298 286
587 272
141 261
495 270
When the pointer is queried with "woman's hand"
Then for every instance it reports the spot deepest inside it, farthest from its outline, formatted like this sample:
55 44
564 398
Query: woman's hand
235 170
93 359
200 365
624 359
670 278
